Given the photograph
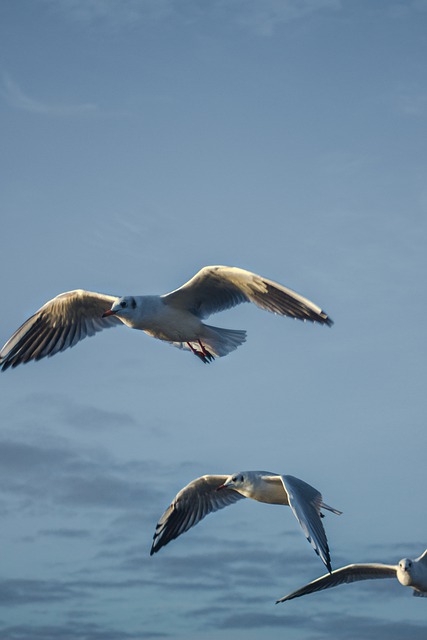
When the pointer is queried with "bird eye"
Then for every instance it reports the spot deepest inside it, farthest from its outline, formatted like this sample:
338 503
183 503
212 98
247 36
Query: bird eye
123 304
234 479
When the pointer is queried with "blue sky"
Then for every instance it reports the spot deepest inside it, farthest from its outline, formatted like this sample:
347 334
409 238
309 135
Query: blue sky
142 140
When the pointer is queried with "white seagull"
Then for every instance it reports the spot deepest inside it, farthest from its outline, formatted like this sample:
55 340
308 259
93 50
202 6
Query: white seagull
410 573
210 493
175 317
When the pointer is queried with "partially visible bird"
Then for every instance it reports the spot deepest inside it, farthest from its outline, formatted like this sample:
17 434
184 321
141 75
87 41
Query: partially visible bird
410 573
174 317
212 492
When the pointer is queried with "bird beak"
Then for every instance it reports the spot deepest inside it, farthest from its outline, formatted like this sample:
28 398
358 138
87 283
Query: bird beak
110 312
222 486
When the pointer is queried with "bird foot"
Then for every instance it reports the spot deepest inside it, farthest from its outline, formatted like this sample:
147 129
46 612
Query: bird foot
204 355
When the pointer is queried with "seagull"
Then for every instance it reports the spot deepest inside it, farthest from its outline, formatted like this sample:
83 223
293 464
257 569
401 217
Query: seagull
410 573
174 317
210 493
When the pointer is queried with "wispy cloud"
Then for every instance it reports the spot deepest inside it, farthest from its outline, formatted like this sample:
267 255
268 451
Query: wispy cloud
75 631
18 592
17 98
255 16
349 627
86 478
113 13
412 103
78 415
65 533
263 18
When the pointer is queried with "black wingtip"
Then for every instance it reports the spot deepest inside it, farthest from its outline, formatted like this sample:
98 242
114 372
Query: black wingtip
4 364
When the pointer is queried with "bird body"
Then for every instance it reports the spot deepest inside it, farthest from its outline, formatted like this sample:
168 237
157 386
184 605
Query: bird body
264 487
175 317
212 492
159 320
410 573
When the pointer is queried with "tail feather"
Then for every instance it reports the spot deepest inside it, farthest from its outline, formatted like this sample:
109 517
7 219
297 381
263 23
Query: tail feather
221 341
217 342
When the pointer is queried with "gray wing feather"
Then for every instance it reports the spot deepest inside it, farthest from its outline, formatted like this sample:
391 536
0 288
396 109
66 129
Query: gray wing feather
60 324
350 573
217 288
195 501
305 502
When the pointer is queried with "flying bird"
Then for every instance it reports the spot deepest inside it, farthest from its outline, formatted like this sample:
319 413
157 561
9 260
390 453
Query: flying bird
174 317
212 492
410 573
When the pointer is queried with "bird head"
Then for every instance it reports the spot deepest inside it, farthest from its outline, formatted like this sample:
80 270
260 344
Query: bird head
404 572
235 481
405 565
121 307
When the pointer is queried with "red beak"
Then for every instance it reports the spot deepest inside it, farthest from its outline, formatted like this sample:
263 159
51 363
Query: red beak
221 486
110 312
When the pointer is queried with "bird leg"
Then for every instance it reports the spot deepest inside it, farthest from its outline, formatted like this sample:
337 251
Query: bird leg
204 355
209 357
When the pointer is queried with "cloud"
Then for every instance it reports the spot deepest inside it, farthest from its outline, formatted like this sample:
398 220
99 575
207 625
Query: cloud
17 592
201 564
343 626
258 17
17 98
65 533
263 18
248 620
88 417
74 631
103 490
72 477
79 415
412 104
25 458
113 13
352 627
109 561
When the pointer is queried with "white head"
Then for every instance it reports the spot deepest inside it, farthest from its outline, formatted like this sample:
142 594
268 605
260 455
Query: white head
404 572
236 480
240 482
122 307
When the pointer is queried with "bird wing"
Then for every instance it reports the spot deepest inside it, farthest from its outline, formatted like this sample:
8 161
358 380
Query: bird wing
217 288
350 573
305 502
191 505
59 324
423 558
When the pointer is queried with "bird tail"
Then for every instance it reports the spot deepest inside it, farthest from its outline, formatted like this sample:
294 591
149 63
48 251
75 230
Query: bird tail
221 341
